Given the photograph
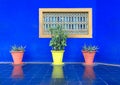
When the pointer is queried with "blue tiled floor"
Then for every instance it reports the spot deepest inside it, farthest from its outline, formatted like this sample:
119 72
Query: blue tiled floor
69 74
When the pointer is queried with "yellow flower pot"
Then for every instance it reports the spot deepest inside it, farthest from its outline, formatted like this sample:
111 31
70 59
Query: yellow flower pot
57 57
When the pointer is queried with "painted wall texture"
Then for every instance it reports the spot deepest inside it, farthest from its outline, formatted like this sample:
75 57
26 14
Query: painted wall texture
19 24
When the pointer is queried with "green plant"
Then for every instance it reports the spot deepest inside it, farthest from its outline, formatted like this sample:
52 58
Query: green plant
59 36
18 48
89 48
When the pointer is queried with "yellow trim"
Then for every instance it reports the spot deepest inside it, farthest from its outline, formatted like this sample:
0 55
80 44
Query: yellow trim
89 10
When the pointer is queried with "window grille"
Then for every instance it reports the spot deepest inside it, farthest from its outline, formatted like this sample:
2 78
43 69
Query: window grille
75 23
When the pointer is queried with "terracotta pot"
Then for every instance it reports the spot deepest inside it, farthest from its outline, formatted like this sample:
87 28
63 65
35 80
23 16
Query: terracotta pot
89 57
17 56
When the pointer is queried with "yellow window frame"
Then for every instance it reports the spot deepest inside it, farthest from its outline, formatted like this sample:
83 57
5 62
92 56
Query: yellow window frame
88 10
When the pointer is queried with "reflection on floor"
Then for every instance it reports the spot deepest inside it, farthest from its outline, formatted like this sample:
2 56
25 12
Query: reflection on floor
68 74
88 75
17 71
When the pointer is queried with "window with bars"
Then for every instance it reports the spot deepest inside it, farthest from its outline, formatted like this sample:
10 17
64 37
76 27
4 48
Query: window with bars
76 22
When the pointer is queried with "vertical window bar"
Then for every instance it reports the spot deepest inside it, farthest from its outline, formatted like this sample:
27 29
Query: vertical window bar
72 19
47 26
72 26
84 26
69 26
76 26
81 26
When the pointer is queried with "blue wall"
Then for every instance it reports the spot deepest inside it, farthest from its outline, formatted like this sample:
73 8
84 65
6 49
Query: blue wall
19 24
108 28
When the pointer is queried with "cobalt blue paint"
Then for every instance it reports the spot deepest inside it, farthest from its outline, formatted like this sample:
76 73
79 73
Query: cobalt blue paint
19 24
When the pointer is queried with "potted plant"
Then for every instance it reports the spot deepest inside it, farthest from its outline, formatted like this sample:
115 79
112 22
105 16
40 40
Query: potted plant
17 54
89 53
58 42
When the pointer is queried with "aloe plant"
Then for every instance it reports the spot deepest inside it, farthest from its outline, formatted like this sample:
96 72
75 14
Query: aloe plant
18 48
90 48
58 40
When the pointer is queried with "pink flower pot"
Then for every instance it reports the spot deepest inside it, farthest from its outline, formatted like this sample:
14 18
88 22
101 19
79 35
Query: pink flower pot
89 57
17 56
